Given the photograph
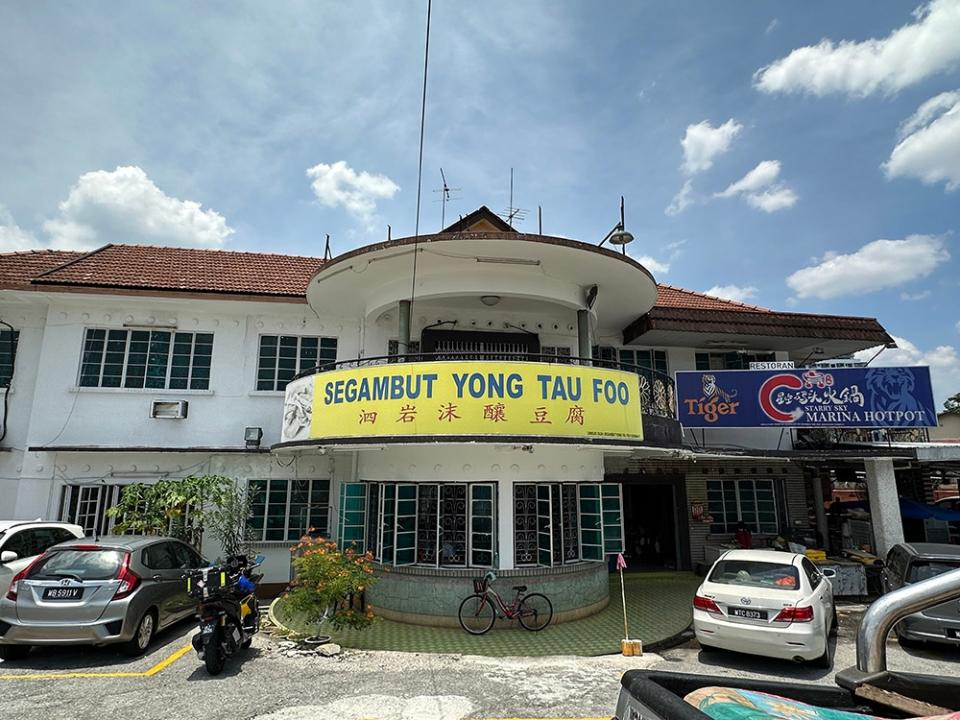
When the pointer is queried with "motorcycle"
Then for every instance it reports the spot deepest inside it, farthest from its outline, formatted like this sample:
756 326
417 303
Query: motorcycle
228 610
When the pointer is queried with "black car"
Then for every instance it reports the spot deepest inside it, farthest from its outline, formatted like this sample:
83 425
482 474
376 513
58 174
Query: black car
908 563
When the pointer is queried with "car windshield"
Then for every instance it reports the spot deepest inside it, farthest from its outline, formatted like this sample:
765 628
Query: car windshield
925 569
81 564
752 573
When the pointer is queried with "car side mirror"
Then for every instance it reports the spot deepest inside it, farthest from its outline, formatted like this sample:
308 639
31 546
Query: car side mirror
8 556
829 573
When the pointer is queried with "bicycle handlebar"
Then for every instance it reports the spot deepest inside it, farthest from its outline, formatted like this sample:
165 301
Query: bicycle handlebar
490 576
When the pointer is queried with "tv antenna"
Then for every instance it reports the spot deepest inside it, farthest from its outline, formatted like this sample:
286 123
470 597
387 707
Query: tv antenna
513 213
327 254
444 198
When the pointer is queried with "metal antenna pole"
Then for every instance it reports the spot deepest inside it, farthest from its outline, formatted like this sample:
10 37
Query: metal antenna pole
510 211
622 226
539 220
423 119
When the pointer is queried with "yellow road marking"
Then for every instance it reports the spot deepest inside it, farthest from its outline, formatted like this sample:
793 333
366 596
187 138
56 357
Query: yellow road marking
163 664
169 661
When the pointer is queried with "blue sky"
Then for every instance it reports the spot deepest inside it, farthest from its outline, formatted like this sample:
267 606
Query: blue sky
197 124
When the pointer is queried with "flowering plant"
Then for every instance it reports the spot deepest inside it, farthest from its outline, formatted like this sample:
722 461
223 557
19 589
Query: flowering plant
327 581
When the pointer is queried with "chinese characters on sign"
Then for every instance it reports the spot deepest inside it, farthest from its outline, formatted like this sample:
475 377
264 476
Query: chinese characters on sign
506 398
807 397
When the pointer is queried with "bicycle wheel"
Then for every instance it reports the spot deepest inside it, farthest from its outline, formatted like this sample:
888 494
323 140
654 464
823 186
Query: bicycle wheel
535 612
476 614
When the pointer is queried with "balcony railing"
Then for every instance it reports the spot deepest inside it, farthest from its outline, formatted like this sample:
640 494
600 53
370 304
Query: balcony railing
658 395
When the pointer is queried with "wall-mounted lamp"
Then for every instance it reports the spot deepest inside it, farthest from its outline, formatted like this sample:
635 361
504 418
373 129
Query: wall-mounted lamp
490 300
252 436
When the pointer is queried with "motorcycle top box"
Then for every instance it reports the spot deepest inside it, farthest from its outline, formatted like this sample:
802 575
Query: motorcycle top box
208 582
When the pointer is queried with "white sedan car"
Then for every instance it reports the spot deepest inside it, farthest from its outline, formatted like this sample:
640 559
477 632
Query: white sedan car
769 603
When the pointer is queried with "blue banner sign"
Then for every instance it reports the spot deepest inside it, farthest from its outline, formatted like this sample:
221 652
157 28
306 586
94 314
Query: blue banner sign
807 397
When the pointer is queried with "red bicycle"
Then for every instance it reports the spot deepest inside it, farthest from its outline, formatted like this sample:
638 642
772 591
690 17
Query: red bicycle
478 612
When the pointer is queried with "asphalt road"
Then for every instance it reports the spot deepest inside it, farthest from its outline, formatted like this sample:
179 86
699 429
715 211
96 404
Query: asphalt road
266 685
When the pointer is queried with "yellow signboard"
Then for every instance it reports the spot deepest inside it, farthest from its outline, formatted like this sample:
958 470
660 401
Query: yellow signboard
442 399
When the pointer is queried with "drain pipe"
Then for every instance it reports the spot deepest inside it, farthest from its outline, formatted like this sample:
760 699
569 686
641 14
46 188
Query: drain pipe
880 617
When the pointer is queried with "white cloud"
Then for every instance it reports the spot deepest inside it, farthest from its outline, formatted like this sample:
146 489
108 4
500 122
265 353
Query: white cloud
12 236
777 198
682 200
958 327
759 188
915 297
732 292
877 265
124 206
925 47
339 185
674 250
772 26
702 143
943 360
929 143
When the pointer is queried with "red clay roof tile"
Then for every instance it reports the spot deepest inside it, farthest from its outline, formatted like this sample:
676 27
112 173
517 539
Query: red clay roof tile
677 297
145 267
18 269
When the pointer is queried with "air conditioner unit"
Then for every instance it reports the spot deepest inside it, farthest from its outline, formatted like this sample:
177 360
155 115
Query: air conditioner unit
168 409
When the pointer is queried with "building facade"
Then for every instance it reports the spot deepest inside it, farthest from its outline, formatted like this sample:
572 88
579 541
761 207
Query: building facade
552 359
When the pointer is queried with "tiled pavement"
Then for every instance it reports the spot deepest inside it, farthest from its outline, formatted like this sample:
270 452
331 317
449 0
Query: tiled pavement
658 607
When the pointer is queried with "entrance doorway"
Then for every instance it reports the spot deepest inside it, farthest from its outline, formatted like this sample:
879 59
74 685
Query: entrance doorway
653 537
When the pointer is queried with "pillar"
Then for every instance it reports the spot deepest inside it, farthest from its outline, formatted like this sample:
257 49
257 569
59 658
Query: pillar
884 504
403 334
583 333
505 538
821 513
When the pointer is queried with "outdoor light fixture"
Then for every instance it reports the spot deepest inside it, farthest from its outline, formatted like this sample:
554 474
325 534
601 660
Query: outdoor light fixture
620 237
252 435
489 300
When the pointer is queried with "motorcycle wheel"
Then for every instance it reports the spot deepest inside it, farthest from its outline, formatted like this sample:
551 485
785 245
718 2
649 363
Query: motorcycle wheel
213 656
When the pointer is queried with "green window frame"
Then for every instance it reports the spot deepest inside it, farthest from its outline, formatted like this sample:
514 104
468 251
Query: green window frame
280 358
647 359
394 512
757 502
145 359
8 352
286 509
352 525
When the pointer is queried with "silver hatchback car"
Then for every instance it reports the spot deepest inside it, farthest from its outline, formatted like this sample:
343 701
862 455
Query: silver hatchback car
116 589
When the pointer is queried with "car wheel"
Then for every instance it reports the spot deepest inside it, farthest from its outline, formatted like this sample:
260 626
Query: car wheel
14 652
137 645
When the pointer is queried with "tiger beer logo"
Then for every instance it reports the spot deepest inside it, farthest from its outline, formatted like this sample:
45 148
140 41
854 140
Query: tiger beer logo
713 402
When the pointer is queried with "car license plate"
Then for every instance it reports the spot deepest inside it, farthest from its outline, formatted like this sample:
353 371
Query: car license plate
58 593
748 613
953 633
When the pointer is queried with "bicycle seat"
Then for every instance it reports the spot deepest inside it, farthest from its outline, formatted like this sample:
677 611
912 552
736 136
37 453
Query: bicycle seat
520 588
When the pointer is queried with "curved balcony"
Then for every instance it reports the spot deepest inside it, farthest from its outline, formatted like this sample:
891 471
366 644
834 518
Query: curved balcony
587 385
658 395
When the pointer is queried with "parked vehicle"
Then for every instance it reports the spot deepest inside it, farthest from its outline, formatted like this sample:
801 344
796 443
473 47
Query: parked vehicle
868 689
118 589
909 563
765 602
229 613
22 541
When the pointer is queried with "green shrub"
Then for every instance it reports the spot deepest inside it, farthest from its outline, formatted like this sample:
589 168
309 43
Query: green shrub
326 580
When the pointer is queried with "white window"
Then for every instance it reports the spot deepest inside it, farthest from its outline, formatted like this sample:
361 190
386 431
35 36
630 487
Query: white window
283 510
159 359
282 357
87 505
